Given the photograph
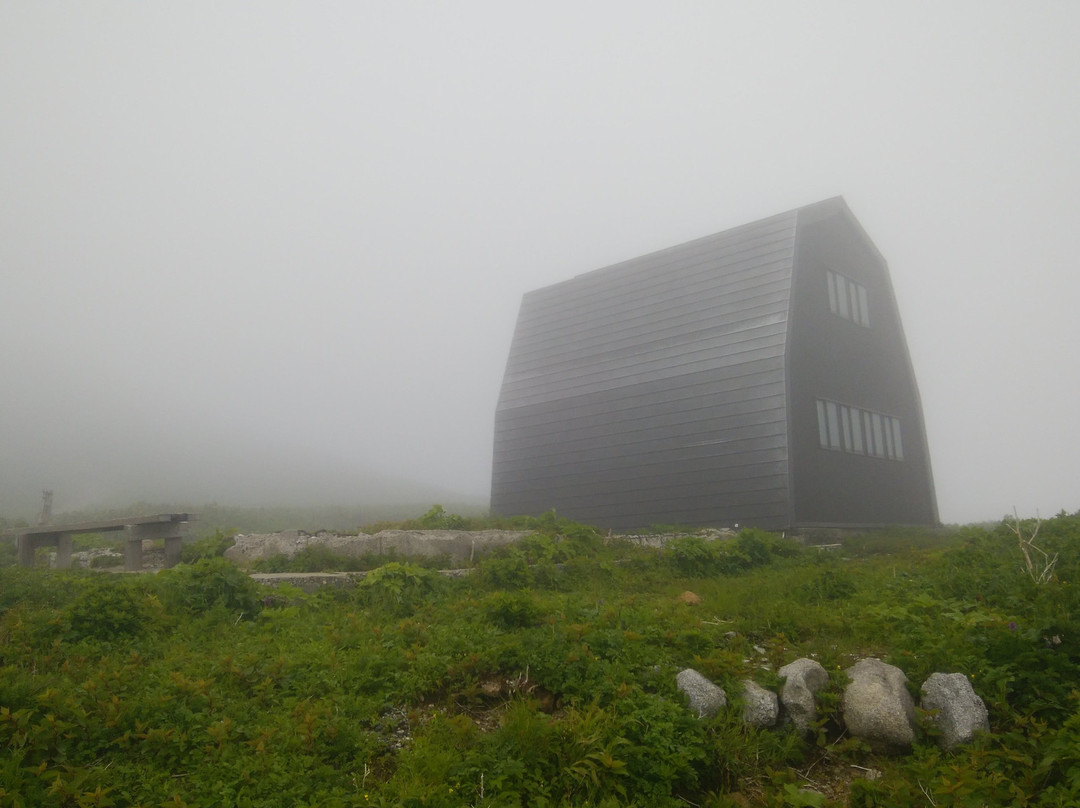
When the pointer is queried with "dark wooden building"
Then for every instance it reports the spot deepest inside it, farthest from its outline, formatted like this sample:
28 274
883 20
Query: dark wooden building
759 376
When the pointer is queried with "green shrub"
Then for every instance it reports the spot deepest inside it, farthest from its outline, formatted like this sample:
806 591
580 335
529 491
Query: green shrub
507 568
509 610
213 546
692 556
754 545
828 585
108 609
35 587
438 519
320 558
211 582
696 557
398 588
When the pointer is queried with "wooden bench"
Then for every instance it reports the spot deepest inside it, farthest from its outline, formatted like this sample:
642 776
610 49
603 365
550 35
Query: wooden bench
167 526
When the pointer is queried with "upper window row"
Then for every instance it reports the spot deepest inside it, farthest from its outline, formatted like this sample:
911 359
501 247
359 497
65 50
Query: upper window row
858 431
847 298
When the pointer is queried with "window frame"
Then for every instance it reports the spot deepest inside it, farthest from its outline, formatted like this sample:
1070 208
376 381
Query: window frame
858 431
848 299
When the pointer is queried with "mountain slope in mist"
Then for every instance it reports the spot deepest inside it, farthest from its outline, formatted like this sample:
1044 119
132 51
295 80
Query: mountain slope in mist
102 467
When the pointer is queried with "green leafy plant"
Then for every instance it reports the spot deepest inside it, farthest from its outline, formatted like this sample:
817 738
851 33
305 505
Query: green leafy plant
212 546
510 610
398 588
438 519
417 689
109 609
211 582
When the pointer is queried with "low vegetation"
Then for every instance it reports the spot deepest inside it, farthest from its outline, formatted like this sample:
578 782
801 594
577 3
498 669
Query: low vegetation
544 678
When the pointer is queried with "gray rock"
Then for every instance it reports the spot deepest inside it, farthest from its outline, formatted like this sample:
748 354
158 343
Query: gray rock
877 706
706 699
803 678
959 713
99 556
760 706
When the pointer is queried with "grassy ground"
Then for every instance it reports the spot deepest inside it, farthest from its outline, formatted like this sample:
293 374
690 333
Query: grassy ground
547 677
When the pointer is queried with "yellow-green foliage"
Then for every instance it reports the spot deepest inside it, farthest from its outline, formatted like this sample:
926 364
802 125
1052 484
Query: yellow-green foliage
545 678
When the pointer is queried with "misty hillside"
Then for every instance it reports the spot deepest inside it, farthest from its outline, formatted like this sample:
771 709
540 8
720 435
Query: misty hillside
95 469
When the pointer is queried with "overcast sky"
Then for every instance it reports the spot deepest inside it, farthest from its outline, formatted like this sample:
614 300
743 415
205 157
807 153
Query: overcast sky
311 223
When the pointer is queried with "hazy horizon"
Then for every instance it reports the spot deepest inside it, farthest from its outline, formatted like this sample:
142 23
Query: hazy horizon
244 248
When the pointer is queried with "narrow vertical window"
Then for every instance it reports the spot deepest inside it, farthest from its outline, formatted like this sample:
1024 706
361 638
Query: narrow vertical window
842 297
856 431
834 425
879 438
890 448
831 276
896 438
822 424
864 308
853 289
868 430
845 424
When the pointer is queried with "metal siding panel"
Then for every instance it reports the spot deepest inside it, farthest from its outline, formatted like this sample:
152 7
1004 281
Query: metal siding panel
581 382
653 387
726 315
674 295
594 470
744 464
733 245
719 386
690 316
709 340
669 432
561 328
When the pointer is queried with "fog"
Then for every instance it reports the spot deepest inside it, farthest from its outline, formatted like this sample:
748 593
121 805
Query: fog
261 252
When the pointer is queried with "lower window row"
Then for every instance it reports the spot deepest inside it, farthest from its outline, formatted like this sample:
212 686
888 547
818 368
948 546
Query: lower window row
858 431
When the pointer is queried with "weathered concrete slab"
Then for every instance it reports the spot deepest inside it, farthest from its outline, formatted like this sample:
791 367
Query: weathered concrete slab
461 546
311 581
308 581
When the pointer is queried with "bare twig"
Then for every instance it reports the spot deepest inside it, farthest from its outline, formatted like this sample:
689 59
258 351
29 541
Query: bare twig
926 793
1027 545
